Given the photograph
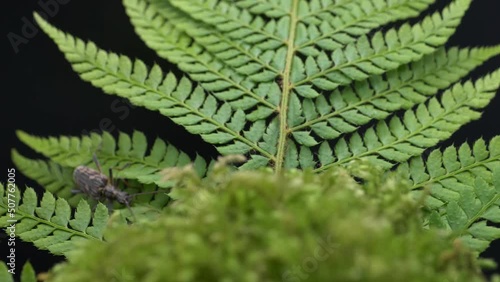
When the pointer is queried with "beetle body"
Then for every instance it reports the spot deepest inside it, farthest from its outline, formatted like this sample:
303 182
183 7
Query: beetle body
98 186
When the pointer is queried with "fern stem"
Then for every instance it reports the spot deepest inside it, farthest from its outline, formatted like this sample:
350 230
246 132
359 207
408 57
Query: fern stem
287 86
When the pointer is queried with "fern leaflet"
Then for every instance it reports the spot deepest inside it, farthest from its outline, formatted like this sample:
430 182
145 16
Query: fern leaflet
27 274
127 154
464 188
49 224
275 81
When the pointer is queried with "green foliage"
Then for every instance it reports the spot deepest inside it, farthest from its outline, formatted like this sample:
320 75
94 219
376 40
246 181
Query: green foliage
290 84
464 188
27 274
127 155
50 224
259 226
53 177
398 139
286 89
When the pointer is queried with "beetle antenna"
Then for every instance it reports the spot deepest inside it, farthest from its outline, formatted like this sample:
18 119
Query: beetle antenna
96 161
144 193
110 179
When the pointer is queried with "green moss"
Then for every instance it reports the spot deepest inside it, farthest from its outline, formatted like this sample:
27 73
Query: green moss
257 226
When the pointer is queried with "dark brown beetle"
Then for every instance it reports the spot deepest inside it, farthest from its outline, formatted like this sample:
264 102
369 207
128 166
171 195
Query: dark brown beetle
99 187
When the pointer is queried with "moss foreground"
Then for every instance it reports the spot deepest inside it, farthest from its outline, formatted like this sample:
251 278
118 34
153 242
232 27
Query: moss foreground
256 226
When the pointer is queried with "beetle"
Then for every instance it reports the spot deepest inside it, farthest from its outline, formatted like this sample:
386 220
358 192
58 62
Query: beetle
98 186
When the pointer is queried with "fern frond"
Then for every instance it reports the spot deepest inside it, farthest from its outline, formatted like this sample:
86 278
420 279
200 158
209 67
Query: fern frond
319 12
330 14
224 67
464 189
328 25
270 8
193 109
293 83
127 154
51 176
344 111
49 224
382 52
58 180
237 23
448 173
398 139
468 216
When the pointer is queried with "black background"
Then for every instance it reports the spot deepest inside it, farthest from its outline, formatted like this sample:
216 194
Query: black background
43 96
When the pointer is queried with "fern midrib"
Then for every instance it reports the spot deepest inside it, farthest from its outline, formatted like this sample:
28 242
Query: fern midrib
55 226
458 105
287 86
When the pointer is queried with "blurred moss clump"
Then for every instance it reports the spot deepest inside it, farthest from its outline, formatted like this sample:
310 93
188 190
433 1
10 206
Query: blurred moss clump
258 226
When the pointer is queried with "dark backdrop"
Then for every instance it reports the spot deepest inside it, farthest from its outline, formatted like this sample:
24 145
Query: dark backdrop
43 96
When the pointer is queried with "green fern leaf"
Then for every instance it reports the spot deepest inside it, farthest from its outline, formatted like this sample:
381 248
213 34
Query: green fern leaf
46 224
467 216
464 188
237 23
398 139
290 84
383 52
53 177
127 155
167 31
330 116
275 78
4 274
194 110
331 24
448 173
27 273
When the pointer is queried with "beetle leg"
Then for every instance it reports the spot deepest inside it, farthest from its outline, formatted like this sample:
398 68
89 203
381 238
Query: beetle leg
110 178
109 205
76 191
